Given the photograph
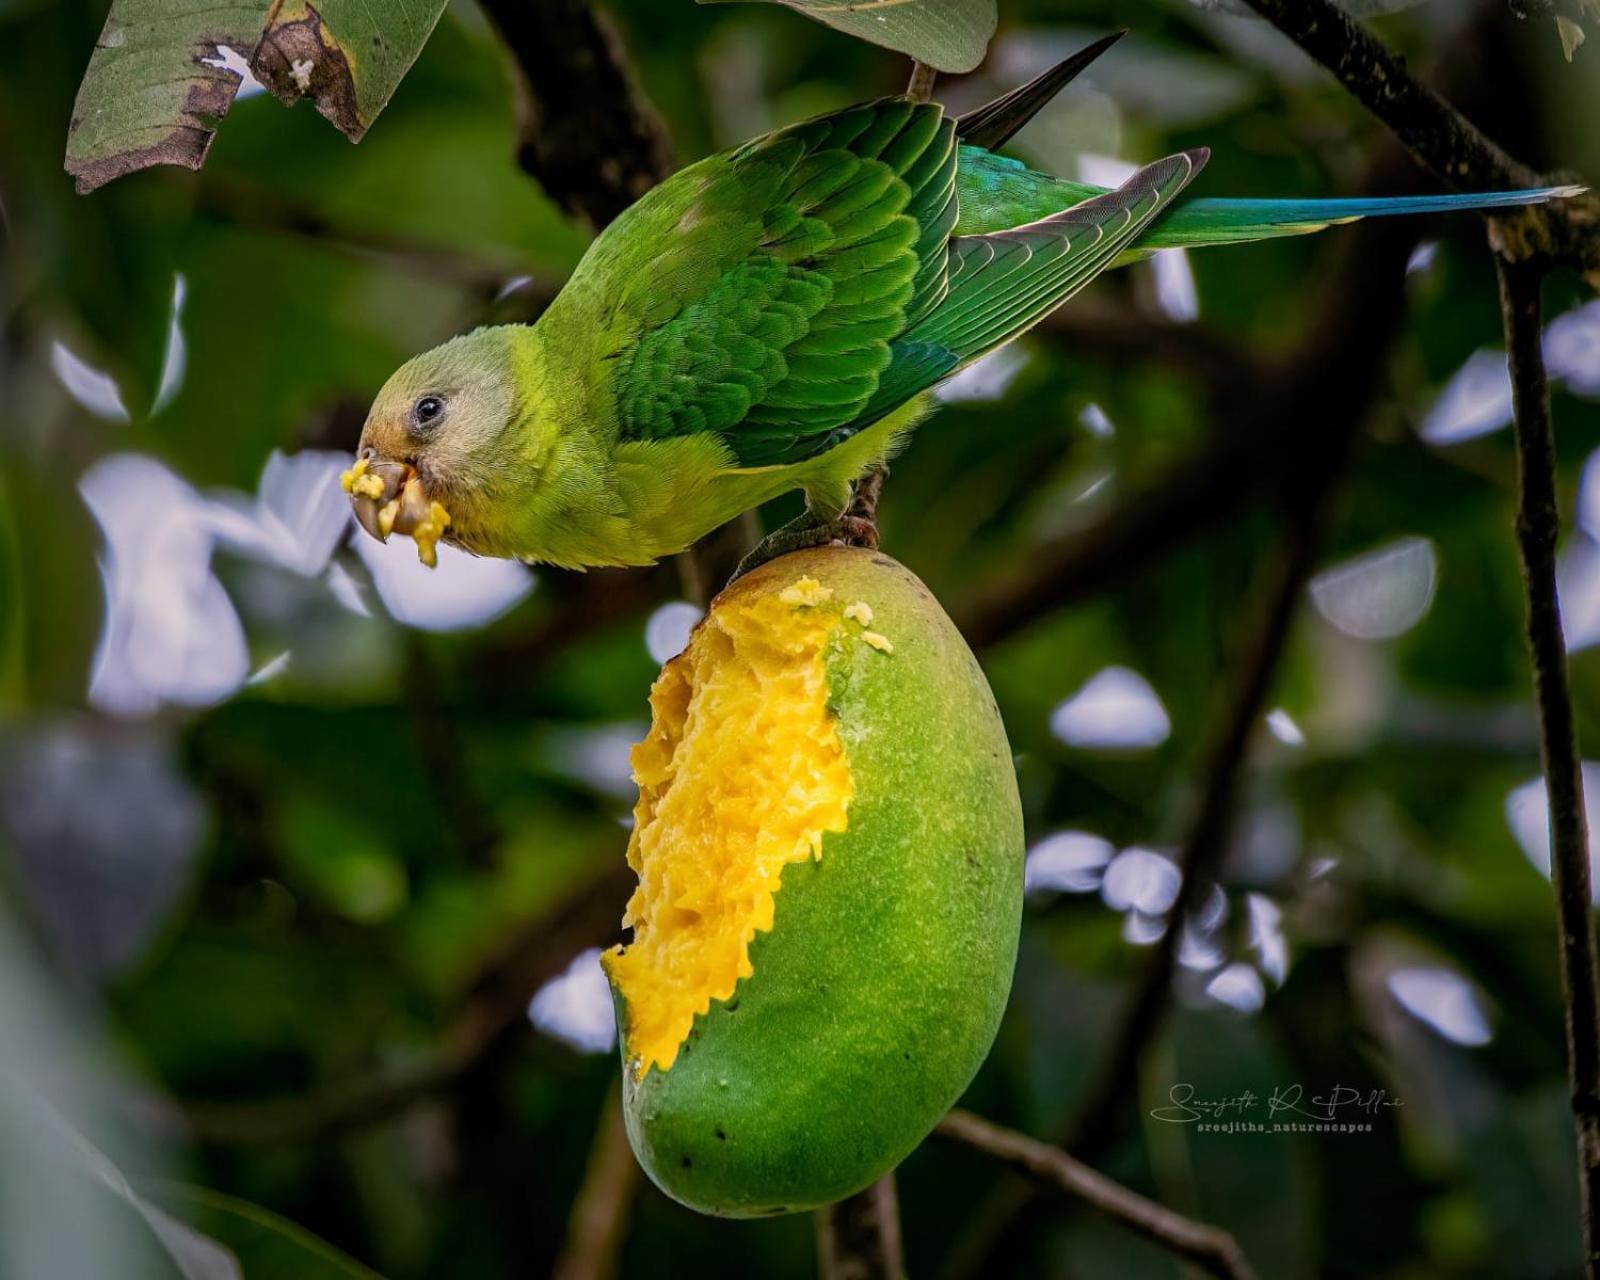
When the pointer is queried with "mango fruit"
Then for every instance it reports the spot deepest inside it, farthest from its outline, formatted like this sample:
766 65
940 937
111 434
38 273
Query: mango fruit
829 847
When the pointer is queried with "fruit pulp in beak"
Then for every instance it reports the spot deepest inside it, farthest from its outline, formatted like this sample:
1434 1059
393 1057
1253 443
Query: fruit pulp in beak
388 497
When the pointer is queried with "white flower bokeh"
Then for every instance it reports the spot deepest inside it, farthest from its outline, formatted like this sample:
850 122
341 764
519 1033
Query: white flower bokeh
576 1008
1444 1000
1382 594
1477 399
172 634
1115 710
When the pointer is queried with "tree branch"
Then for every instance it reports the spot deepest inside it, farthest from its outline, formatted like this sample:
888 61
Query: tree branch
859 1238
1538 526
579 100
1291 436
585 917
1270 422
1438 135
605 1200
1209 1248
1254 669
920 86
1118 331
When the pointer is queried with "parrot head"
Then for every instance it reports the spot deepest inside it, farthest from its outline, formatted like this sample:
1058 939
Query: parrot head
429 451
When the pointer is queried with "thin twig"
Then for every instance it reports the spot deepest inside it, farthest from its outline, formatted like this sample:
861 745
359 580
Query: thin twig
587 916
920 86
1437 134
1270 421
859 1238
442 758
599 1221
1209 1248
1295 431
861 516
1254 668
1441 138
1538 526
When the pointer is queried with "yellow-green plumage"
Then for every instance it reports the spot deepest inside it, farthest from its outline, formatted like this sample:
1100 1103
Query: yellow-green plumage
770 319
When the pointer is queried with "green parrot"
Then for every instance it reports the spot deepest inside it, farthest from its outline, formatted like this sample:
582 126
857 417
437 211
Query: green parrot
773 318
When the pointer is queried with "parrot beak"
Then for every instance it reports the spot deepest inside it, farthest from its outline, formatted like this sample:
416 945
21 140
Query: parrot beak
375 485
388 497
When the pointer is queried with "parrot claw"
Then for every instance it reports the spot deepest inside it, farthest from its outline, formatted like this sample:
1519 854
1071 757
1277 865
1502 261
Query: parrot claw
805 533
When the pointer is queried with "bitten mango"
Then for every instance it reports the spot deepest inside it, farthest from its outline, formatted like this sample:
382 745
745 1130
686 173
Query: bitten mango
829 847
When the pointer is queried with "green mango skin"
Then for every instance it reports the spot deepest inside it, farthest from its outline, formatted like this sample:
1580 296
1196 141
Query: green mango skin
878 992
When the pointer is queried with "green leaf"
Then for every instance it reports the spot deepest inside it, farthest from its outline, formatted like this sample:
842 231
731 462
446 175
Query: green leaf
268 1247
348 56
157 83
156 86
949 35
193 1255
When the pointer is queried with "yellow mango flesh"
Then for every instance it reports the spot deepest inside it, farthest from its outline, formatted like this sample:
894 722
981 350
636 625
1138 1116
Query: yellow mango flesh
829 849
745 704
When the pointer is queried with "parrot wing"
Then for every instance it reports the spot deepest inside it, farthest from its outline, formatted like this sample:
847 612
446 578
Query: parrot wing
1002 284
754 295
789 294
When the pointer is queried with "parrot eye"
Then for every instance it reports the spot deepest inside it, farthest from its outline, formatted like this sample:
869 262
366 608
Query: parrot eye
427 411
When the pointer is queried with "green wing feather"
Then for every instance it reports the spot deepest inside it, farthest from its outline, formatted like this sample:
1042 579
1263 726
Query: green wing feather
1005 282
785 296
754 295
1001 284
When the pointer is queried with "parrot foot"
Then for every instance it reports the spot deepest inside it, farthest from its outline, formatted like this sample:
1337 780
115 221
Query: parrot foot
807 532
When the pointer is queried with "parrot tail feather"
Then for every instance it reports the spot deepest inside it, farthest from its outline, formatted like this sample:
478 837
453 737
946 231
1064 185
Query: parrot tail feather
995 192
1211 221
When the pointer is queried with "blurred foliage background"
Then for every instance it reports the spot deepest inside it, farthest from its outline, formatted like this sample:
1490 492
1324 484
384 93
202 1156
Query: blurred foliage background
304 852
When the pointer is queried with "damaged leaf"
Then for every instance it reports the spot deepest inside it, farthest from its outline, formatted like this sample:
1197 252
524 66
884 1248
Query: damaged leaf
159 78
347 56
156 86
1569 26
949 35
1571 35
